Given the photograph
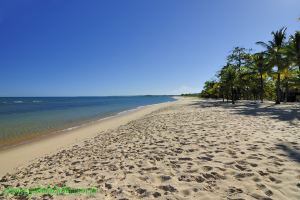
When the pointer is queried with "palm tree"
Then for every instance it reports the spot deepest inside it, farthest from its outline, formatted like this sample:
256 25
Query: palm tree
274 52
292 59
262 68
286 73
293 50
228 77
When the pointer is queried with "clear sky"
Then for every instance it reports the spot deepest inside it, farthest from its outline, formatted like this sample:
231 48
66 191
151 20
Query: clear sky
128 47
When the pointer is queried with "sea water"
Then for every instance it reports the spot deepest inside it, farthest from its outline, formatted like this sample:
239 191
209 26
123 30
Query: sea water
23 118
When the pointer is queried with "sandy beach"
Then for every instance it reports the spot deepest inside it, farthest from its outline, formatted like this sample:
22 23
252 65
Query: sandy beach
188 149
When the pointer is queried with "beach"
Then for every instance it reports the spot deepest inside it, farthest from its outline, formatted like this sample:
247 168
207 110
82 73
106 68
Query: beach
187 149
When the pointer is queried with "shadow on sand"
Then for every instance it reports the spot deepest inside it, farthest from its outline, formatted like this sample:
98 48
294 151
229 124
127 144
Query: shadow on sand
290 152
283 112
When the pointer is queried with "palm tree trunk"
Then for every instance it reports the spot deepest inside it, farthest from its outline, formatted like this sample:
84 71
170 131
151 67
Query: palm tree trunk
278 93
223 95
227 95
298 62
238 93
261 89
232 95
299 69
249 95
286 91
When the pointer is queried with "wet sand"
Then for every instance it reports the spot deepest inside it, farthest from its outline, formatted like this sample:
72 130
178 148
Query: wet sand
188 149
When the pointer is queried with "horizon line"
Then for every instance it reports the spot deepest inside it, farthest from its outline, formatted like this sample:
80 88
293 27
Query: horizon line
92 96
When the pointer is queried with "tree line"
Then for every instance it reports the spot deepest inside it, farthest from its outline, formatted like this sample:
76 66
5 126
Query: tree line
272 74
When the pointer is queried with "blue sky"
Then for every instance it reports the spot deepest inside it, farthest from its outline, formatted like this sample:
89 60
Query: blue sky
128 47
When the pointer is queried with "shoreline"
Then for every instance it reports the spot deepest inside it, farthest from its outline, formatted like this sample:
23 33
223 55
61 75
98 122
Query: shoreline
21 154
30 139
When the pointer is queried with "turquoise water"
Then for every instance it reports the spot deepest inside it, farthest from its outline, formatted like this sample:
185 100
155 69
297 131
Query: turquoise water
32 116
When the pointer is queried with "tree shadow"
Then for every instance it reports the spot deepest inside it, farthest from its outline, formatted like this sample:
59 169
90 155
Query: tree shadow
284 112
290 152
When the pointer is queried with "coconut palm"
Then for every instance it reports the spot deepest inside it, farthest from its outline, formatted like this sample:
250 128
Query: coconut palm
228 76
286 74
293 50
274 52
272 74
260 67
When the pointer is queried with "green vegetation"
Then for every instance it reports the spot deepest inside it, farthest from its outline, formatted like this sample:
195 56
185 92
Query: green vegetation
272 74
24 192
191 95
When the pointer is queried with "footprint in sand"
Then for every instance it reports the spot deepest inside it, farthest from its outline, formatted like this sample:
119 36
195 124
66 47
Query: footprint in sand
231 191
165 178
265 189
207 168
168 188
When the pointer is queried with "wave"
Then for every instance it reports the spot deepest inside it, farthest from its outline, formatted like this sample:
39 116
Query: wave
18 101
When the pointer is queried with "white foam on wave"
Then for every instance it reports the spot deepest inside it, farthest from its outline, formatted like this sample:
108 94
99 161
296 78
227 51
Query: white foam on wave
18 102
130 110
71 128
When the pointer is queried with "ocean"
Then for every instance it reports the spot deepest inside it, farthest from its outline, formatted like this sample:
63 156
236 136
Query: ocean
25 118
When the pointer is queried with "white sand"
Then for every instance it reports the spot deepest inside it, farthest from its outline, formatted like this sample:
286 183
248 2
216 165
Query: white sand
189 149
